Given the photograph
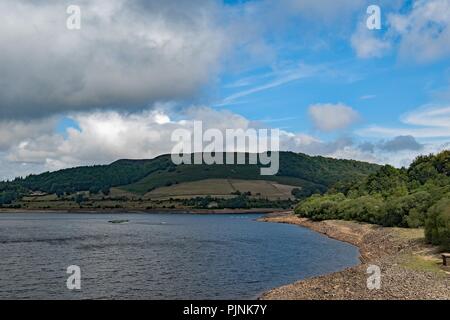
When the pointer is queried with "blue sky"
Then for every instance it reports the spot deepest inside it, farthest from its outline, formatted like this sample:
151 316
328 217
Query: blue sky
381 89
135 71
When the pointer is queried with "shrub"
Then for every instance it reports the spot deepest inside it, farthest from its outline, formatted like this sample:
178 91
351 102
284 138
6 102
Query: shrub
437 224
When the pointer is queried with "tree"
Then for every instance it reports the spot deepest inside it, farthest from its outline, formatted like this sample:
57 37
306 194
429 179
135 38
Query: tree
106 191
79 199
94 190
301 193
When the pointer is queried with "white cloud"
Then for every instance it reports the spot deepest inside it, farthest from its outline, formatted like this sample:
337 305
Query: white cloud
16 132
424 32
367 45
435 116
106 136
330 117
277 78
403 158
421 34
425 122
423 131
368 97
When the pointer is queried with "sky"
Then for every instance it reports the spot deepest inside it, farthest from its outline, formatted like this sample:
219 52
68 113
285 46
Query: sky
137 70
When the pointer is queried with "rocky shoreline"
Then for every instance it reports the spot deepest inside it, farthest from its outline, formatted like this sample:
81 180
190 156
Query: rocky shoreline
410 269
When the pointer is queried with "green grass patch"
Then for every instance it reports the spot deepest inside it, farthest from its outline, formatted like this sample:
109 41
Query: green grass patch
422 263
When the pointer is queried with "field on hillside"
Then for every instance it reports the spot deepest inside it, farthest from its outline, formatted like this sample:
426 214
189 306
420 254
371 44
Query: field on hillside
223 188
258 193
190 173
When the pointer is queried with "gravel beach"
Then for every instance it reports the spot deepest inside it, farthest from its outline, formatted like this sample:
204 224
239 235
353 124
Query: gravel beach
410 269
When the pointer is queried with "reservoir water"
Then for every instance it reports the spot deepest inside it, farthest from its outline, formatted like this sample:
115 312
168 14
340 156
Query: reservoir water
159 256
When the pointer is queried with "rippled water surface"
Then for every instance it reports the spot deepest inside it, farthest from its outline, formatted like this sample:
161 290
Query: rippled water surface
159 256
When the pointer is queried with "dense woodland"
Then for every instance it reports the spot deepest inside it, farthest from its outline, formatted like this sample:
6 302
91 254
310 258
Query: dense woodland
415 197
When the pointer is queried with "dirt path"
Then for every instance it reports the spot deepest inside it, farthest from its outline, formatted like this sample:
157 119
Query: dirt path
410 269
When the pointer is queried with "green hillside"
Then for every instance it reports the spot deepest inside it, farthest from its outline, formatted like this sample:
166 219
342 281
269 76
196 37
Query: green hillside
187 173
311 174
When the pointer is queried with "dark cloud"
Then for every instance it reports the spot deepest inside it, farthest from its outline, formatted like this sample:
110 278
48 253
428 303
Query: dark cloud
401 143
367 147
127 55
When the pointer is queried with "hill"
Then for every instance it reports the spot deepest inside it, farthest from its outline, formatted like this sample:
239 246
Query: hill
139 177
312 174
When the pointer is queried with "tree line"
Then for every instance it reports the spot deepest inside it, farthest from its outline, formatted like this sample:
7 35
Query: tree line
418 196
